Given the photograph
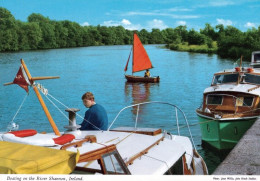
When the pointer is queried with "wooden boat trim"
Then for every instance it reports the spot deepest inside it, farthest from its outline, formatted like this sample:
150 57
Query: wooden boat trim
92 170
145 151
88 138
227 117
96 154
152 133
256 87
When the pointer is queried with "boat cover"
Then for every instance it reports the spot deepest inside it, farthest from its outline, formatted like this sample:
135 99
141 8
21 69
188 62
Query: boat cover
16 158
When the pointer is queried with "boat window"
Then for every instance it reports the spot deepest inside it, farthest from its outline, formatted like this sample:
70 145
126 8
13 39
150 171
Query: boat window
251 78
244 101
225 78
114 164
256 57
176 169
214 99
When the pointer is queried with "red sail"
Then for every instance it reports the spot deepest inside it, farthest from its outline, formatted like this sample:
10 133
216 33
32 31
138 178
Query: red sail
141 60
21 79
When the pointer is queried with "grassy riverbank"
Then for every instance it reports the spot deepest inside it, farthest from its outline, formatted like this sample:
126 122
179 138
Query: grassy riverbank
194 48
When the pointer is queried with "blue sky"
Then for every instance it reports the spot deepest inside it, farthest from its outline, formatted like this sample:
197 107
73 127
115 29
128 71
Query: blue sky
143 14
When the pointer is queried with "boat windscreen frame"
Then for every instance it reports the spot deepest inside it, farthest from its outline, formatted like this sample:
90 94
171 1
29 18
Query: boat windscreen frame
225 74
246 75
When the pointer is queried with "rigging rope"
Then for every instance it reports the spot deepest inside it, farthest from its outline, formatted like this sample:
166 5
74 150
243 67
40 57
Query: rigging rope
19 107
12 121
46 94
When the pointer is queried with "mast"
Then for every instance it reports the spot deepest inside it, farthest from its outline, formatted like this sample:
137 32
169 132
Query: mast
47 113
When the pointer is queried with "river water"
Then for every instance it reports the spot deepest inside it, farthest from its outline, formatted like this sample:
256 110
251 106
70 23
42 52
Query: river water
100 70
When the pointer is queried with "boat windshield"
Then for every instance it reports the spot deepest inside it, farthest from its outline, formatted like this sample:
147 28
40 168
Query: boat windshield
225 78
252 78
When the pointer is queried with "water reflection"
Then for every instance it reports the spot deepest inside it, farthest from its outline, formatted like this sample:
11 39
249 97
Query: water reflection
138 92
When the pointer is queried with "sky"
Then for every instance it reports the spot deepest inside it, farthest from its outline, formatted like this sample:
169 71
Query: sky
143 14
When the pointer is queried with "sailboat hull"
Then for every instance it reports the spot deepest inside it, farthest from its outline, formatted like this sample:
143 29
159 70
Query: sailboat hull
131 78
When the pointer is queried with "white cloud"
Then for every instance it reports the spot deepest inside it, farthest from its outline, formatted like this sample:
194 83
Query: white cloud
125 23
161 13
155 23
224 22
181 23
85 24
110 23
250 25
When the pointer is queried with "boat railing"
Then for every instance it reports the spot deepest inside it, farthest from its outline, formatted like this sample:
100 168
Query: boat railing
176 109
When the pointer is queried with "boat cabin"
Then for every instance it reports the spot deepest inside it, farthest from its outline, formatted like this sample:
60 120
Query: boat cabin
228 95
255 59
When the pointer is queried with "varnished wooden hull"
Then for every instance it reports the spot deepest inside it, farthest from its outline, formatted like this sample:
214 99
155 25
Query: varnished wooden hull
131 78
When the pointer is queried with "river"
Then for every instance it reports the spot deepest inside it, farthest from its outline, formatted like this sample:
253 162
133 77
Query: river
100 70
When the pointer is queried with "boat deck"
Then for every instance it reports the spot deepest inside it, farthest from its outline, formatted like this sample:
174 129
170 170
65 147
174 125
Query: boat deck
244 159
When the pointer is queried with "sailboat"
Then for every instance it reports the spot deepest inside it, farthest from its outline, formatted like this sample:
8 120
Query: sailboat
140 62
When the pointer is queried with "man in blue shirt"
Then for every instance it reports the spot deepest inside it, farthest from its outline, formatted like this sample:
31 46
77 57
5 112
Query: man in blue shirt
96 116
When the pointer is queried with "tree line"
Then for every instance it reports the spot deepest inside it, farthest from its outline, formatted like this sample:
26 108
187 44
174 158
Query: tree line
40 32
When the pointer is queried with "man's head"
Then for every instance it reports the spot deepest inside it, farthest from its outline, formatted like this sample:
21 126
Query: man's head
88 99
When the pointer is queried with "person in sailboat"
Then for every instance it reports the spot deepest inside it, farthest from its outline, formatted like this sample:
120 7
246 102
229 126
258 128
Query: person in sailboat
147 73
96 116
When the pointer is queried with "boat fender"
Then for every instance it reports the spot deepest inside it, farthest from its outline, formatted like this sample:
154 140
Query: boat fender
24 133
66 138
250 70
238 69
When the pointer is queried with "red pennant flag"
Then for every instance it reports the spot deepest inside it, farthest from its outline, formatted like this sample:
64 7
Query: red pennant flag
21 79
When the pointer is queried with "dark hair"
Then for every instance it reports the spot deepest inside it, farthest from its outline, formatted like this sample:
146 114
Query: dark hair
88 96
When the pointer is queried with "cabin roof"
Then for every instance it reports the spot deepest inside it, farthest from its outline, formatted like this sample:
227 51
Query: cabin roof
158 158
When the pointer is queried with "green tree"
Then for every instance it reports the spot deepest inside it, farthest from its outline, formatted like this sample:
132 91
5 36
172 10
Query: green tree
8 35
230 43
47 28
156 37
61 34
34 35
209 32
108 36
195 38
144 36
75 31
171 36
182 32
23 43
